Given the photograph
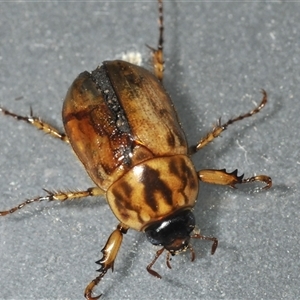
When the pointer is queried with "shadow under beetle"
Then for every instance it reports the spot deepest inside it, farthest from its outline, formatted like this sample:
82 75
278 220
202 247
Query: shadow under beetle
122 125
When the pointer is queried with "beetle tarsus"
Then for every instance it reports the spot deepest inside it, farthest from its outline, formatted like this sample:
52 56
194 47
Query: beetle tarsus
57 196
89 289
262 178
219 128
157 54
38 123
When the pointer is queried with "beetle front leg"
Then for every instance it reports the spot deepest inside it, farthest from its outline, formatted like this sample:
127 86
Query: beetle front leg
221 177
157 255
110 252
38 123
58 196
219 128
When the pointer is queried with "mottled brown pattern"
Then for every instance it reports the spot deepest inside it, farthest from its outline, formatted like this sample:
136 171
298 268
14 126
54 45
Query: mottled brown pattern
148 108
150 192
126 209
118 116
153 185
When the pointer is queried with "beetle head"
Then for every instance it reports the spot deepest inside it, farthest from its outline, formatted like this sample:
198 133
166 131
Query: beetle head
172 232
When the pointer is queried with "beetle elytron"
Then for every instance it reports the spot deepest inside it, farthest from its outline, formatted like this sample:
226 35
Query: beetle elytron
122 125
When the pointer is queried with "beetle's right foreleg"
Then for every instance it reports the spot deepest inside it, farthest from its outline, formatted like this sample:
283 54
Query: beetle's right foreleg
222 177
38 123
110 252
58 196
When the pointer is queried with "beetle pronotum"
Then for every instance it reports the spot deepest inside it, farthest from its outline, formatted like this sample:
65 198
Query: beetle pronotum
122 125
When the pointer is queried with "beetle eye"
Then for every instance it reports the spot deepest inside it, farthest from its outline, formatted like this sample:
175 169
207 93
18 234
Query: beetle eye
174 232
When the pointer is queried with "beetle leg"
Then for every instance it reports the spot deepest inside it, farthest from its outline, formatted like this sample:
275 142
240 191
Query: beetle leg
222 177
110 252
168 259
193 255
38 123
203 237
149 267
219 128
157 54
60 196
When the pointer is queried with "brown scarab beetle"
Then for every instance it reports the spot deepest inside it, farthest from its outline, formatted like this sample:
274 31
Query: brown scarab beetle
122 125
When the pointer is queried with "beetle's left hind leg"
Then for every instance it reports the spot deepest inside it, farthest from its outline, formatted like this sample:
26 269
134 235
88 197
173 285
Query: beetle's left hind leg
221 177
219 128
38 123
157 54
56 196
110 252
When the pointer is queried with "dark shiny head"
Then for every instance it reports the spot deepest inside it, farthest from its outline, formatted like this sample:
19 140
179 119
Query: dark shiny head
173 232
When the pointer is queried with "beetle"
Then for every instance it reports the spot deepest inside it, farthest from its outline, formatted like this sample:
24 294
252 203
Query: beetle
122 126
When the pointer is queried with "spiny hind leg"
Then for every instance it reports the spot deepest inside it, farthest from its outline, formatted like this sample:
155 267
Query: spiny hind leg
38 123
219 128
56 196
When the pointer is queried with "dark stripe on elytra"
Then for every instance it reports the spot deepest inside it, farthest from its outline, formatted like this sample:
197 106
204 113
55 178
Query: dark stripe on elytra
126 188
179 168
154 184
120 120
170 140
122 200
100 78
173 166
192 182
